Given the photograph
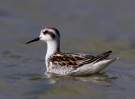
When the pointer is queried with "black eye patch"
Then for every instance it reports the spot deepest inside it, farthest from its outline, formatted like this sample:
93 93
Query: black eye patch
45 32
51 34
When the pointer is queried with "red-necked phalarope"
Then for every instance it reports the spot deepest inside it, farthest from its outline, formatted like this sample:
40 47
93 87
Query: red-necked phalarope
62 63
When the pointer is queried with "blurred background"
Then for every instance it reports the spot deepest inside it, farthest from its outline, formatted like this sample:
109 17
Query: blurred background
86 26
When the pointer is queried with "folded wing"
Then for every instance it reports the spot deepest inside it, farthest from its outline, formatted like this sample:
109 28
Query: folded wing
76 60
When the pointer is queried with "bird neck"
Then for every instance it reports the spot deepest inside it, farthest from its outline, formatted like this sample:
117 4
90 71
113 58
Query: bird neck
52 47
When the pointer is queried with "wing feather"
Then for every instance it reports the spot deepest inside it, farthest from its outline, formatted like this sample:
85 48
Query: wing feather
76 60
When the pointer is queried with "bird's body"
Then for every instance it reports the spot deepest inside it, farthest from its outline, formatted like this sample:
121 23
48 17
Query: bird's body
62 63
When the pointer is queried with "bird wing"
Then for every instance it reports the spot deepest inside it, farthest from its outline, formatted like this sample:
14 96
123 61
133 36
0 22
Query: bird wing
76 60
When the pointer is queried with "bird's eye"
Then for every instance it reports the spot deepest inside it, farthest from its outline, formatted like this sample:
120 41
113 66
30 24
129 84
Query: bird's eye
45 32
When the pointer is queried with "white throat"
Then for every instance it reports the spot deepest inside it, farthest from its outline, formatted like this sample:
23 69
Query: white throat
52 47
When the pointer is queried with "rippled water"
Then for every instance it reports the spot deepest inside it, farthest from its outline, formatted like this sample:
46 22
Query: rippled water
88 26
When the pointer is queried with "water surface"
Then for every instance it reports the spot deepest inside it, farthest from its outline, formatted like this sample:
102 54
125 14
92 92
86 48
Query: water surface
86 26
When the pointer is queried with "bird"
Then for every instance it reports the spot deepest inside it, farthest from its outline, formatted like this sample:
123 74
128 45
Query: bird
70 64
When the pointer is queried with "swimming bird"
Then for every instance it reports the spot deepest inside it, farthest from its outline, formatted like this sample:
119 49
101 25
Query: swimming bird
63 63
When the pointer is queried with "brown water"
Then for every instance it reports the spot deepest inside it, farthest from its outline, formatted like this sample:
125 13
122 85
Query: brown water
86 26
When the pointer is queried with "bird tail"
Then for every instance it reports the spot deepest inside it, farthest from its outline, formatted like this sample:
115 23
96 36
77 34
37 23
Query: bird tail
103 55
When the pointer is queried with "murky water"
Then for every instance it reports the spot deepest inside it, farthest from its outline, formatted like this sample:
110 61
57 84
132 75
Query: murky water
86 26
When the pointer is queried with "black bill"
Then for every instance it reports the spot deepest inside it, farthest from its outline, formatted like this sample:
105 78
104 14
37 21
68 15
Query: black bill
36 39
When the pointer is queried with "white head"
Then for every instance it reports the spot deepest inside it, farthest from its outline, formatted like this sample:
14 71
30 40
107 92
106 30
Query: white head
52 37
49 34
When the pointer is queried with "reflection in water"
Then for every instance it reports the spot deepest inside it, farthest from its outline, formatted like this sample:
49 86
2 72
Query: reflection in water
100 77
